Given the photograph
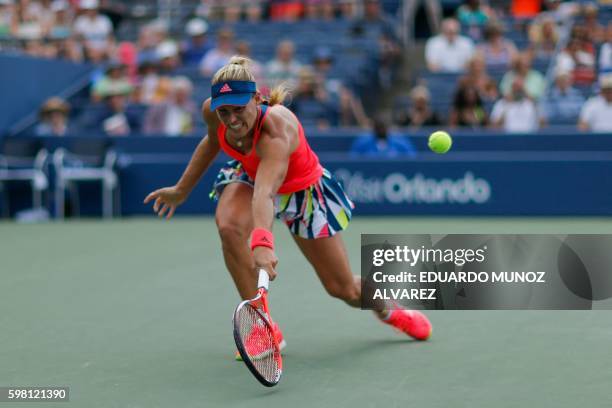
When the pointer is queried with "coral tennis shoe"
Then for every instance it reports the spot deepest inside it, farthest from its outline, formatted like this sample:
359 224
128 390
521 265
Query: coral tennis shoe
412 322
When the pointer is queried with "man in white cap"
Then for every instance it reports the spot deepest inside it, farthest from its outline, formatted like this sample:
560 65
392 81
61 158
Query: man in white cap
596 114
197 45
95 28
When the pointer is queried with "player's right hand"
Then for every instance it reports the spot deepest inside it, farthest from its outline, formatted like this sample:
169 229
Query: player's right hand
166 200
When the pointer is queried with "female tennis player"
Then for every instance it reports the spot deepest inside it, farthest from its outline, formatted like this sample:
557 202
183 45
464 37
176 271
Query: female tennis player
274 173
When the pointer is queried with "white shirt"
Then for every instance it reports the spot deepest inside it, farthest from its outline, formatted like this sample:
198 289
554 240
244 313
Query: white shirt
449 57
518 116
214 60
96 31
278 72
597 113
566 63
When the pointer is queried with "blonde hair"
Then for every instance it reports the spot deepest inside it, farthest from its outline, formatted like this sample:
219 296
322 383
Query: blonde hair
237 69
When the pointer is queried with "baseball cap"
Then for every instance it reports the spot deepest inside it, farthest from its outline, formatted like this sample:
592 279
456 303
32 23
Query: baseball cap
89 4
323 53
166 49
235 93
196 26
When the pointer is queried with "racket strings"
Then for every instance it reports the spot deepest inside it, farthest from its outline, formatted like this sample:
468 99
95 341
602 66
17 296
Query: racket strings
258 341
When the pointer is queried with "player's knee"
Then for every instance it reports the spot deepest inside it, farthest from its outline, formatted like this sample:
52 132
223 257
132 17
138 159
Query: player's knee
348 293
231 231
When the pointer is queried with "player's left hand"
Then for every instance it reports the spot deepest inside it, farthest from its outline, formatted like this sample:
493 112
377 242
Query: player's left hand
265 258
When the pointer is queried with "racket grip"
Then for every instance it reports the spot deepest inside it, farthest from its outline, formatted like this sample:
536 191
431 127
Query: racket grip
264 279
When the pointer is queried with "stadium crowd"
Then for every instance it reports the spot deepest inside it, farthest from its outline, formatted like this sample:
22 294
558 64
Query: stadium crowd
513 65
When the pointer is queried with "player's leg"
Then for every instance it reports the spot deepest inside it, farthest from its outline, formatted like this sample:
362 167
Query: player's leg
329 259
234 222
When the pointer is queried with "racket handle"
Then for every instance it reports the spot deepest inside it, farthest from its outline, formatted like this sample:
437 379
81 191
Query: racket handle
264 279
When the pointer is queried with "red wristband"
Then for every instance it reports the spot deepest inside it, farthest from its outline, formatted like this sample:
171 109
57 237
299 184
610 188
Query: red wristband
262 237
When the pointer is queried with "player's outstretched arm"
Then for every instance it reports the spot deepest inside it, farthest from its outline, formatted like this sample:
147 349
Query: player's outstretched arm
167 199
274 148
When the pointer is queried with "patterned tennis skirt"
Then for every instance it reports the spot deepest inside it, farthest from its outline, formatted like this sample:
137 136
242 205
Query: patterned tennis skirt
318 211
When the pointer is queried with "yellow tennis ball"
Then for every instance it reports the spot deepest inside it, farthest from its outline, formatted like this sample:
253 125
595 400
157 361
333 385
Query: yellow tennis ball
440 142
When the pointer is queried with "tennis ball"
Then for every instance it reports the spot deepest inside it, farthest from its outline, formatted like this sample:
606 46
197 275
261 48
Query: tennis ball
440 142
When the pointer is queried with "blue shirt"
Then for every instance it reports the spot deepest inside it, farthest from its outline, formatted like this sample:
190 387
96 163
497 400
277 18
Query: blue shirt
562 107
393 146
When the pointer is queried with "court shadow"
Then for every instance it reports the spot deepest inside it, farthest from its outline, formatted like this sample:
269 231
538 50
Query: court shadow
351 349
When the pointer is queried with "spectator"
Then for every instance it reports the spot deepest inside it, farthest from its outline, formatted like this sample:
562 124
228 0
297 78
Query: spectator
96 29
148 81
127 54
382 143
375 22
515 112
476 76
254 9
543 38
387 61
498 51
322 10
284 68
328 10
286 10
533 81
147 44
44 14
580 62
7 17
159 29
562 104
351 108
525 8
70 49
220 54
468 110
205 9
311 103
605 54
243 48
449 51
419 112
197 45
594 30
347 9
115 77
26 25
232 11
167 55
116 117
409 10
596 115
175 117
561 11
53 118
62 20
473 16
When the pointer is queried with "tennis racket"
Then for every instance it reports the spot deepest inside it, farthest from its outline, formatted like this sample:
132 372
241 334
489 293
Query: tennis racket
254 336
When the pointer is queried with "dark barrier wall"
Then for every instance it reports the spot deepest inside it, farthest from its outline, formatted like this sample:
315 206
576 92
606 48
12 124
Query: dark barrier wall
556 184
27 82
517 175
